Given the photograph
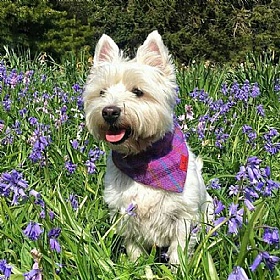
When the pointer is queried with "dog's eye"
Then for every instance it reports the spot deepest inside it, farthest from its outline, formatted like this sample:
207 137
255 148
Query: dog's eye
102 92
138 92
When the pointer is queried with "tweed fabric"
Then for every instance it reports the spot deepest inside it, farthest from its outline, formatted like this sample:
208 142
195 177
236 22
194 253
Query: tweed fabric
163 165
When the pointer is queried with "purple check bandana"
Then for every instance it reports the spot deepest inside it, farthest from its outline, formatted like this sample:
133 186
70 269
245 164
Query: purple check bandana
163 165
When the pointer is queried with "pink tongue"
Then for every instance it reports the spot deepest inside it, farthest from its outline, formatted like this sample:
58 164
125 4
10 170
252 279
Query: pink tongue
115 136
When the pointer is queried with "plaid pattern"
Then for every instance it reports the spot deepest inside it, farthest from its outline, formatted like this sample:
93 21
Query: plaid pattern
163 165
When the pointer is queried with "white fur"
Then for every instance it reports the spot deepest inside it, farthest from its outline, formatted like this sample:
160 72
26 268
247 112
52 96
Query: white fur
161 218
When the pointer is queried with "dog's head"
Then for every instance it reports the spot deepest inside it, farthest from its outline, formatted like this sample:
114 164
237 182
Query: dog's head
130 103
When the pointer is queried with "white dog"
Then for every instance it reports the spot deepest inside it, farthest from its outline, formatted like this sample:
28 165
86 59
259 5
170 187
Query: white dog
150 170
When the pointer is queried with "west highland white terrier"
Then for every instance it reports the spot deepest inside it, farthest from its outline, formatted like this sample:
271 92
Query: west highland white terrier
151 173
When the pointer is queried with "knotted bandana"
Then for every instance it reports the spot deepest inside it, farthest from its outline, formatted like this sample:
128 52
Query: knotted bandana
163 165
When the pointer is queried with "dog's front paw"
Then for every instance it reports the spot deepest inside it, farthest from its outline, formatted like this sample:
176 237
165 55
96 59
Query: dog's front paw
173 257
133 250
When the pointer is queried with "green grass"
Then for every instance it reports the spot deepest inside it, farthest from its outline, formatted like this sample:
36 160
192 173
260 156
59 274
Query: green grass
90 248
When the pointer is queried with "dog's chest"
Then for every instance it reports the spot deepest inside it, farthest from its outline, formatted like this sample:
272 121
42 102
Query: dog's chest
154 211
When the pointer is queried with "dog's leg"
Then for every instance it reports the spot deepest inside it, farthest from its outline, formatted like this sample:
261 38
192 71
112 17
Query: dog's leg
181 238
133 250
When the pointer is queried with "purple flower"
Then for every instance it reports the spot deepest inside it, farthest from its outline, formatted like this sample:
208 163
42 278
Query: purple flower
253 169
218 206
248 203
54 245
238 273
36 194
77 88
7 102
13 182
277 85
269 260
74 143
90 167
233 190
255 90
215 184
70 167
242 174
34 274
219 221
33 231
5 269
33 121
95 154
200 95
251 134
270 134
271 236
40 143
260 110
74 201
130 210
221 137
43 78
22 112
236 219
272 148
53 234
224 89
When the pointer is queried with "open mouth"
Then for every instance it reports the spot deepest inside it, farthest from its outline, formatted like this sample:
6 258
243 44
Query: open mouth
117 135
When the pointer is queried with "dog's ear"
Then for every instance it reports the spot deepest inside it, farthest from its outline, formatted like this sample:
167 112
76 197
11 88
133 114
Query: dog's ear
154 53
106 50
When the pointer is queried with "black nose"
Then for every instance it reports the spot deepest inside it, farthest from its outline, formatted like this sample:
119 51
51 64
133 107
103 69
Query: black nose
111 113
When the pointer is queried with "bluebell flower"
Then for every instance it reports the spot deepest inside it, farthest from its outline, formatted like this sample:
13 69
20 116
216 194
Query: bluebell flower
53 234
33 121
80 102
23 112
271 236
130 210
54 245
221 137
7 103
218 206
74 143
268 136
13 182
238 273
70 167
200 95
269 260
40 143
33 231
255 90
236 218
91 168
5 269
272 148
34 274
218 221
277 85
43 78
215 184
224 89
251 134
95 154
260 110
74 201
77 88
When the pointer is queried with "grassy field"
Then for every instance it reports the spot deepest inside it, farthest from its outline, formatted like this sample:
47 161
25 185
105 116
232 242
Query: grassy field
53 221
